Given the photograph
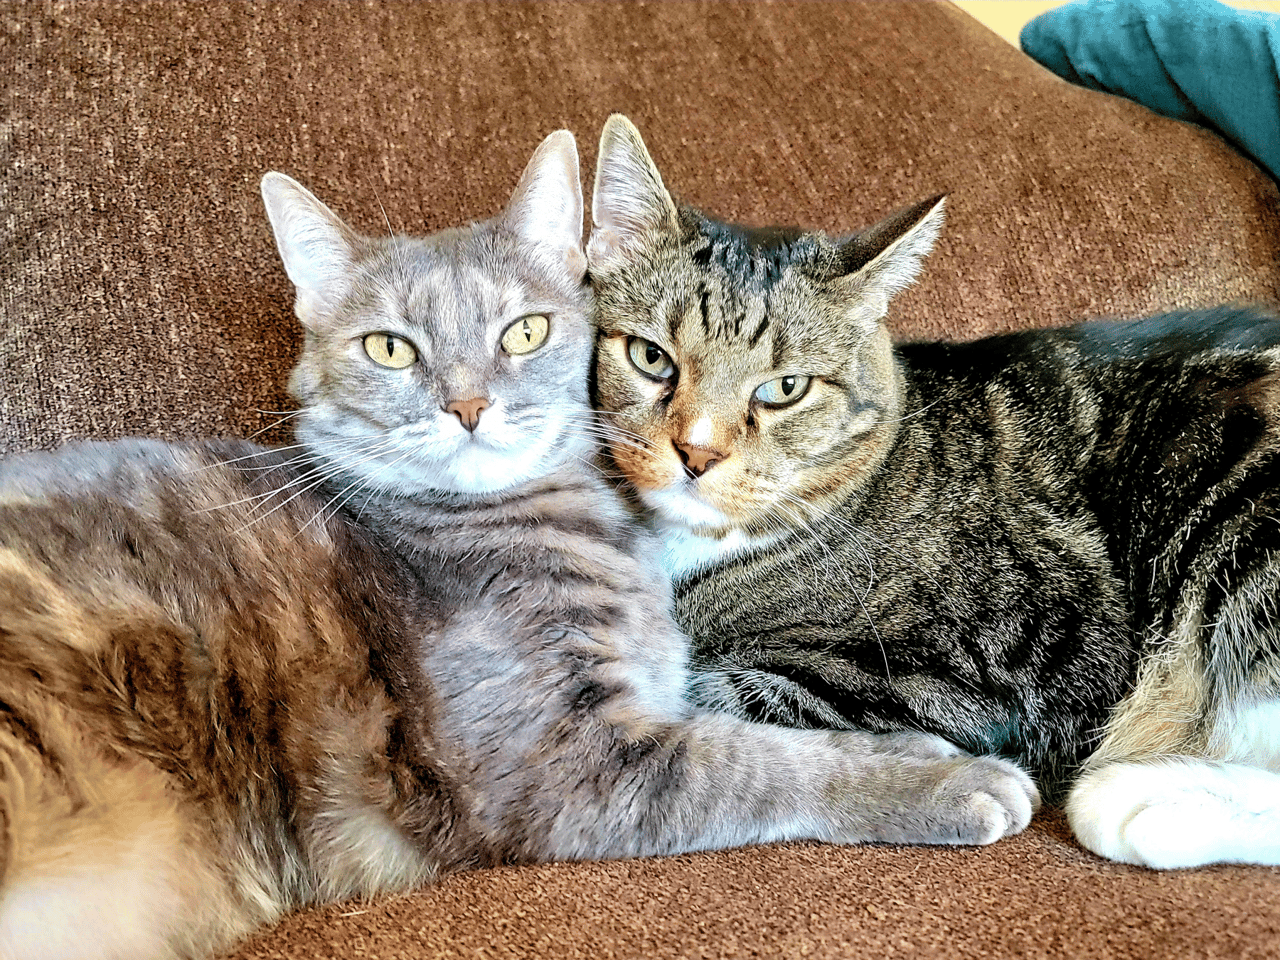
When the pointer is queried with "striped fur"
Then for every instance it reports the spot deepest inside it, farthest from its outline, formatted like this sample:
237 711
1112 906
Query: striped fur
235 680
1056 546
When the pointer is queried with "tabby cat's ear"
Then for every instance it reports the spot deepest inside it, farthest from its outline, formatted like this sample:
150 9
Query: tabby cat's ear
545 211
317 248
873 266
629 198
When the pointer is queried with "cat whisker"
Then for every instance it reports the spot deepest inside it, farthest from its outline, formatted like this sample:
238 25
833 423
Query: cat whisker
281 417
609 431
597 433
308 480
856 531
844 574
354 488
906 417
391 234
268 468
353 442
270 451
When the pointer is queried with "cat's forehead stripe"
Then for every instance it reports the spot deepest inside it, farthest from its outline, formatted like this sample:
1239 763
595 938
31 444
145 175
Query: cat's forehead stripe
750 256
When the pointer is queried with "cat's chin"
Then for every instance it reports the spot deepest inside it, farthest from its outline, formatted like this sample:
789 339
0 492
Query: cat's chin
695 535
678 506
478 470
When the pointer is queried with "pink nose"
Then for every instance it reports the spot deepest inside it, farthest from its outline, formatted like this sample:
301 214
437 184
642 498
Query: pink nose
468 411
697 460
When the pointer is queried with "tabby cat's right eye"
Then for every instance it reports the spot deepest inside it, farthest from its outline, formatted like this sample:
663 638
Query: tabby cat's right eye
388 350
650 359
782 392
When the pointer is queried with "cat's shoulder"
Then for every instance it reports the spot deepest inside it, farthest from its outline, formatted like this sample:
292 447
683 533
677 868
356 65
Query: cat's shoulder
108 467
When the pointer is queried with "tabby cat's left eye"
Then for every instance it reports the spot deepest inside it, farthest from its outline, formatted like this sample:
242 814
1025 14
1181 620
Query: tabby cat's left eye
782 392
388 350
526 335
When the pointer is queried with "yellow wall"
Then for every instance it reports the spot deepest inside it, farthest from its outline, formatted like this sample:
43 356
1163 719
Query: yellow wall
1007 17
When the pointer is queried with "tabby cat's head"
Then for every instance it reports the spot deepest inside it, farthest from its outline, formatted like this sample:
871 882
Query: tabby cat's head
750 367
455 362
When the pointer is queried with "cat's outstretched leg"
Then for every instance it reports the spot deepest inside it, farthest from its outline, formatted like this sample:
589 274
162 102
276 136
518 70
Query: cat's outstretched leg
1176 812
714 782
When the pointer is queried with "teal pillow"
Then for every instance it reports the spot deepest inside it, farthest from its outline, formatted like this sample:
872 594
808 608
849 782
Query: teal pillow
1195 60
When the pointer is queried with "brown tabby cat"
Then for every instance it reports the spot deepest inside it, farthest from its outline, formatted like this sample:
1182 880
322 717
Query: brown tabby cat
1061 546
235 680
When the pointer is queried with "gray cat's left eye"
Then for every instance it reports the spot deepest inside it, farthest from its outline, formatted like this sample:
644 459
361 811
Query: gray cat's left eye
783 391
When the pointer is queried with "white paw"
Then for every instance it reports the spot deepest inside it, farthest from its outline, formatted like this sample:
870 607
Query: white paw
1178 813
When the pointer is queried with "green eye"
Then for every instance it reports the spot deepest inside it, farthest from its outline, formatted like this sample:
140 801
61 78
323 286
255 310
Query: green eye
388 350
526 335
650 359
782 392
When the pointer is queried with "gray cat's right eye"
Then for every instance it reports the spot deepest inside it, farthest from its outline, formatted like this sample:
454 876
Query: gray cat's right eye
650 359
388 350
526 335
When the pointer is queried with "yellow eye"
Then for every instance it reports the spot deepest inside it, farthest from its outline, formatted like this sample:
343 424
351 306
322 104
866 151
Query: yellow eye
388 350
782 392
650 359
526 335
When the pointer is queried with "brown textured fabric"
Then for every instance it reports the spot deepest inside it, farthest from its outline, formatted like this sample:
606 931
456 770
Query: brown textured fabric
140 293
1035 896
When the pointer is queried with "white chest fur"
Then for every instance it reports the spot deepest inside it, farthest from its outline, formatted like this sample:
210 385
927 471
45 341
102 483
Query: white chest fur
685 553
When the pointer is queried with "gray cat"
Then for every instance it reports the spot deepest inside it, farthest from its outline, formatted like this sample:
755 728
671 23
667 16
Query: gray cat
236 680
1059 546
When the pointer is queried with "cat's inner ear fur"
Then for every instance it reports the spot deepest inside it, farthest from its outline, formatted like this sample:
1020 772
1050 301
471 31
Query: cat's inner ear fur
880 262
545 210
317 248
629 199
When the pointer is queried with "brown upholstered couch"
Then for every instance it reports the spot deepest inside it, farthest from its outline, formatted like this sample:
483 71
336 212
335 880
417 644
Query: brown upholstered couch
140 293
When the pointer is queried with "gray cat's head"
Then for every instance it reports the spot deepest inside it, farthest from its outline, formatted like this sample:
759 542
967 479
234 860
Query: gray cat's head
751 368
455 362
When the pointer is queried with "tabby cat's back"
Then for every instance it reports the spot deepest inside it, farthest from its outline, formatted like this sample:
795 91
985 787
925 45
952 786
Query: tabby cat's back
1055 545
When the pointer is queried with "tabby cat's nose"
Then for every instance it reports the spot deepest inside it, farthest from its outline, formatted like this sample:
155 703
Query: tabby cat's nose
697 460
468 411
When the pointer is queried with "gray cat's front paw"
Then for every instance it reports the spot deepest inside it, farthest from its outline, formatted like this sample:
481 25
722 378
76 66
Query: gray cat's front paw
930 793
909 743
979 800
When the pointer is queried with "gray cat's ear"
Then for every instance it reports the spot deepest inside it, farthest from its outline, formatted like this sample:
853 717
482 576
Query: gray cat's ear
629 199
873 266
317 248
545 211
